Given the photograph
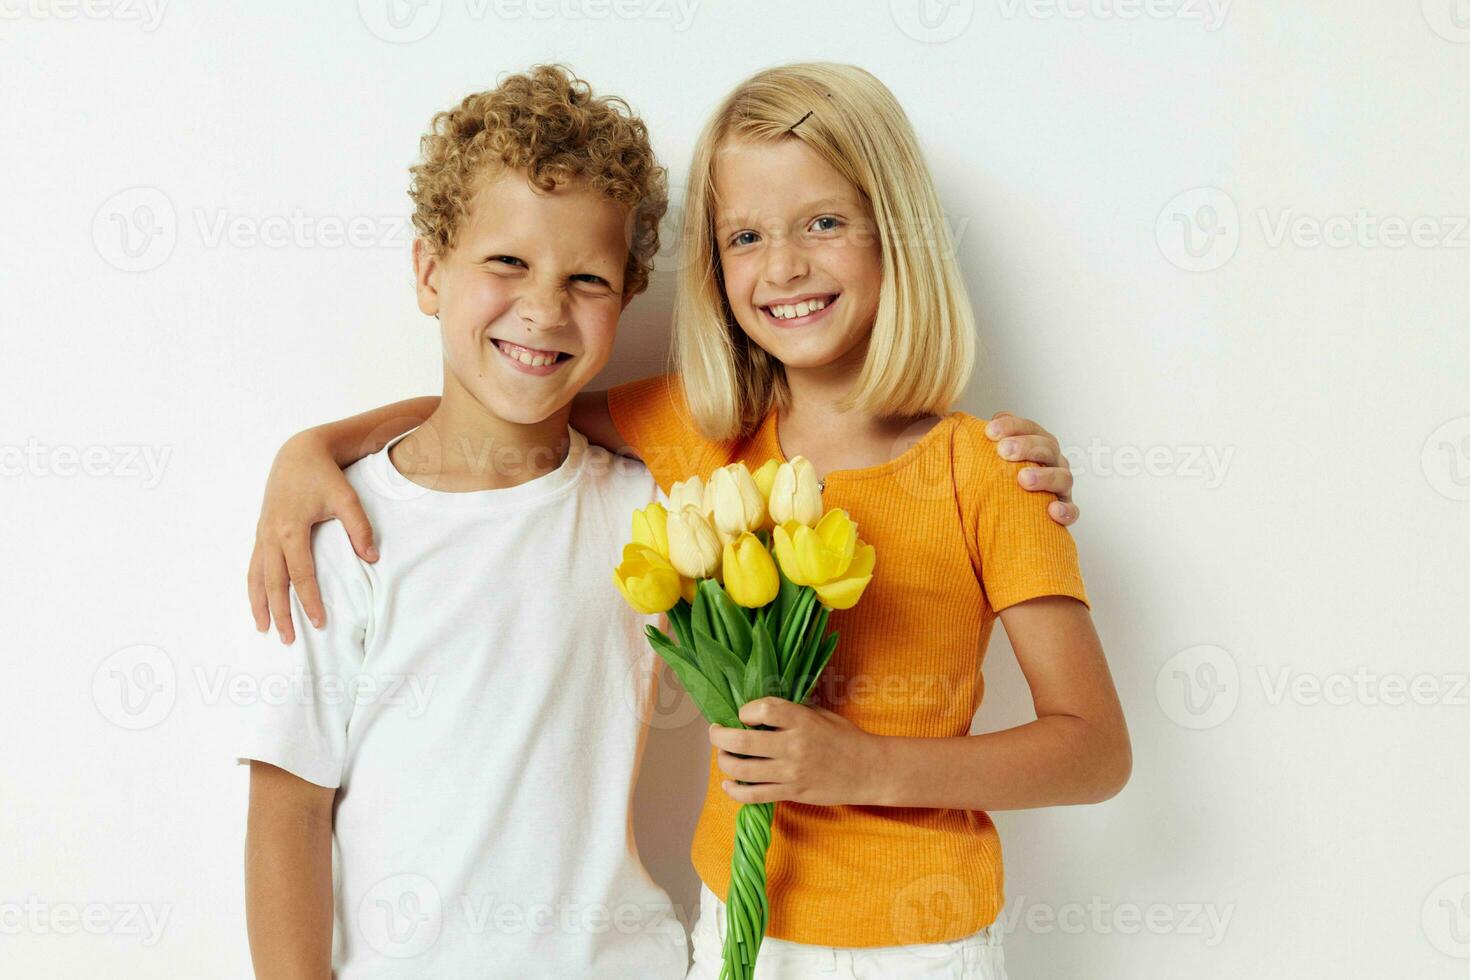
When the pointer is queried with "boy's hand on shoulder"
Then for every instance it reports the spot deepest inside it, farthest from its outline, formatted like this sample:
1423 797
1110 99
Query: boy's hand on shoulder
1022 440
809 755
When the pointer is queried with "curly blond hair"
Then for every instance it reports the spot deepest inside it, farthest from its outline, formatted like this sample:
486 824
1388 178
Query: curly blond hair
547 123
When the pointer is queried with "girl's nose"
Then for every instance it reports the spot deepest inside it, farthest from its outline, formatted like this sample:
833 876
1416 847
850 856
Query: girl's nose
785 262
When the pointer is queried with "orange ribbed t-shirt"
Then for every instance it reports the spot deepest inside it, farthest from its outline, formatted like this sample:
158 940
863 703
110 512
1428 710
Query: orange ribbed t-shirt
957 540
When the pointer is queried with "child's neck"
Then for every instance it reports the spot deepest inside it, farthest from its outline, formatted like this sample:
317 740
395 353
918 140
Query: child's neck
463 447
812 424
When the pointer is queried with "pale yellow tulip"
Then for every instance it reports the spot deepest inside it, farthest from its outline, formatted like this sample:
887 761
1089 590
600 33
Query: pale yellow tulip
796 493
694 547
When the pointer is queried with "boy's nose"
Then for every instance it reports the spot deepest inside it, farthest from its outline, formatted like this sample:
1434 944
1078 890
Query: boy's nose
544 309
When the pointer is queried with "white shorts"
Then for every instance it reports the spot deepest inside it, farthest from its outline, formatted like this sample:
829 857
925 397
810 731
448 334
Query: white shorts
977 957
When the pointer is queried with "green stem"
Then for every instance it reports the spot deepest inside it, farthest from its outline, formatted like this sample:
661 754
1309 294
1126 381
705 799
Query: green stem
746 906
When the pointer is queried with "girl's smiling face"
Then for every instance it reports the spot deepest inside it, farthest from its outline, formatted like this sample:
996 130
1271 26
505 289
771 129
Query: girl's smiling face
799 250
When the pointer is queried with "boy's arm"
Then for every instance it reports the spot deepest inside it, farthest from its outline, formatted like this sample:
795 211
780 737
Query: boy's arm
288 875
1023 441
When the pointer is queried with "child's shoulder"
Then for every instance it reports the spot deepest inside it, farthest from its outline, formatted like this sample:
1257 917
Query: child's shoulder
976 457
621 480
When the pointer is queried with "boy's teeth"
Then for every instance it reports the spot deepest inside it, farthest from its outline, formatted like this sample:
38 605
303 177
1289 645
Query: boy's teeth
526 357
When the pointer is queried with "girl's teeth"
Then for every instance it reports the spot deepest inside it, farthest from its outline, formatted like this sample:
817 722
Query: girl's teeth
790 311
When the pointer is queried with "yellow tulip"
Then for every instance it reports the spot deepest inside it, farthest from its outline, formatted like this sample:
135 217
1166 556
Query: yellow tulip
764 478
650 528
647 580
750 573
687 493
844 592
816 555
733 501
796 493
694 547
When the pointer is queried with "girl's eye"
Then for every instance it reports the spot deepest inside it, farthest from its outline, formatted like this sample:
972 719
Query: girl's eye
743 238
826 223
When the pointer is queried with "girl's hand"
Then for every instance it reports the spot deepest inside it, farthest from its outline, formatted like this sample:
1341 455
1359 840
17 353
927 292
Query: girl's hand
812 756
305 488
1023 439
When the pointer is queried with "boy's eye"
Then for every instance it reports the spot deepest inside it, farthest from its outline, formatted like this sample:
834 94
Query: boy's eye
509 260
590 279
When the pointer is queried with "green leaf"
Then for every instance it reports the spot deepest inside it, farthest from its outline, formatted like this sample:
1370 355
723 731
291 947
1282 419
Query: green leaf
709 591
715 660
761 676
829 646
679 618
699 613
788 643
713 703
666 647
785 599
799 666
731 617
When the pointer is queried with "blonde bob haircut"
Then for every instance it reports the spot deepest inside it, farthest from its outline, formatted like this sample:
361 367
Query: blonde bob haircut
922 346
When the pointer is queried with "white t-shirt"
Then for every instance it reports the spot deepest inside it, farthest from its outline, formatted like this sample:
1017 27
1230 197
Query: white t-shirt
479 698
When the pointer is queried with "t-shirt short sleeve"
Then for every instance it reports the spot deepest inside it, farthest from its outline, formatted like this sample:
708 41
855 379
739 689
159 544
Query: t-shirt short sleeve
304 693
653 417
1017 550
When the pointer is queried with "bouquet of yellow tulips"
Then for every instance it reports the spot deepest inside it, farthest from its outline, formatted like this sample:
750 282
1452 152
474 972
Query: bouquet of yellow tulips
748 567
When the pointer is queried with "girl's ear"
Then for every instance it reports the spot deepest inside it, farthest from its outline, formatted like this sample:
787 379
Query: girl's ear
426 277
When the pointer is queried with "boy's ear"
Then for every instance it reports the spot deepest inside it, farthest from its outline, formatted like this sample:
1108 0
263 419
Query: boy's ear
426 277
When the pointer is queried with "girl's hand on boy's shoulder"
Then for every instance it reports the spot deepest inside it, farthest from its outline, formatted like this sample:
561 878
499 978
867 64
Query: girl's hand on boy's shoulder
1022 440
810 755
305 488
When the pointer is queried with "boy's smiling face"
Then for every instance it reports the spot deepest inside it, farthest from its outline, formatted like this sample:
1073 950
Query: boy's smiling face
528 298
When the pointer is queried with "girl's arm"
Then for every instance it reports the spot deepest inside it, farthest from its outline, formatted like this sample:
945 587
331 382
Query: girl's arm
306 487
1076 751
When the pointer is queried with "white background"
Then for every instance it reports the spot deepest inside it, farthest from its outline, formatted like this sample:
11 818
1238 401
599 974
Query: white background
1270 428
